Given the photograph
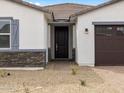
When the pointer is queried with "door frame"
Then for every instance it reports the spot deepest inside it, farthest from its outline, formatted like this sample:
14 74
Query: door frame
70 42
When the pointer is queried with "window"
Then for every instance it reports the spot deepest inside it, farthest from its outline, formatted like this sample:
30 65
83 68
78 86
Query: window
120 31
100 31
110 30
104 30
5 34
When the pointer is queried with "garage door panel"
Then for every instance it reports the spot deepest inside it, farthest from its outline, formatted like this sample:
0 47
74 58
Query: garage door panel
109 58
119 43
104 43
109 45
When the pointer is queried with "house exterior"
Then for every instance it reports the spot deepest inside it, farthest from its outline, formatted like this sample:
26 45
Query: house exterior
32 36
62 31
100 35
23 29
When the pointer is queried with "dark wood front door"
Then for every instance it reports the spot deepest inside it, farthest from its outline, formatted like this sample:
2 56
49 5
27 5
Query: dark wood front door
110 45
61 42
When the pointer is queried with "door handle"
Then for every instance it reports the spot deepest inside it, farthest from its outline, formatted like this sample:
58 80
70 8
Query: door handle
56 47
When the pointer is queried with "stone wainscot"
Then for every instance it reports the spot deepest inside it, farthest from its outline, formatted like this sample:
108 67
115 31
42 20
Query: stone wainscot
22 59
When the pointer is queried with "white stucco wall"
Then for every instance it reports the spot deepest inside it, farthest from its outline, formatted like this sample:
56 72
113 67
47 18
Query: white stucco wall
86 42
32 24
46 35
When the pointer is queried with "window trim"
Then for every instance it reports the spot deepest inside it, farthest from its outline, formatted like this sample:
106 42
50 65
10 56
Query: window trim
10 40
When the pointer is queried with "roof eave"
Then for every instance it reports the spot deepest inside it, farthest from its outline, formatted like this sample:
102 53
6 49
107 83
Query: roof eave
95 8
31 5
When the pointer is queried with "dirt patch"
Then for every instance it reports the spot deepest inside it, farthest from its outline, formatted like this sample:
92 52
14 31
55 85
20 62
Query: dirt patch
51 80
113 76
58 78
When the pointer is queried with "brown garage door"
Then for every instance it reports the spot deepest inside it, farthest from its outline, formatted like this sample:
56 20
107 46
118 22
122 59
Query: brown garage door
109 45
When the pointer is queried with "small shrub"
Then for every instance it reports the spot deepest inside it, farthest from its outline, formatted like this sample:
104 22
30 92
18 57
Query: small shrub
26 90
4 74
74 71
83 82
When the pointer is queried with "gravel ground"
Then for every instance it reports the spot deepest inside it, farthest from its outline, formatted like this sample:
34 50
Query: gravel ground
113 76
59 79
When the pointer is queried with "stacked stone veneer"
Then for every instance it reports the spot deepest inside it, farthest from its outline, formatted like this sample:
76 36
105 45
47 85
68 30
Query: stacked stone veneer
22 59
